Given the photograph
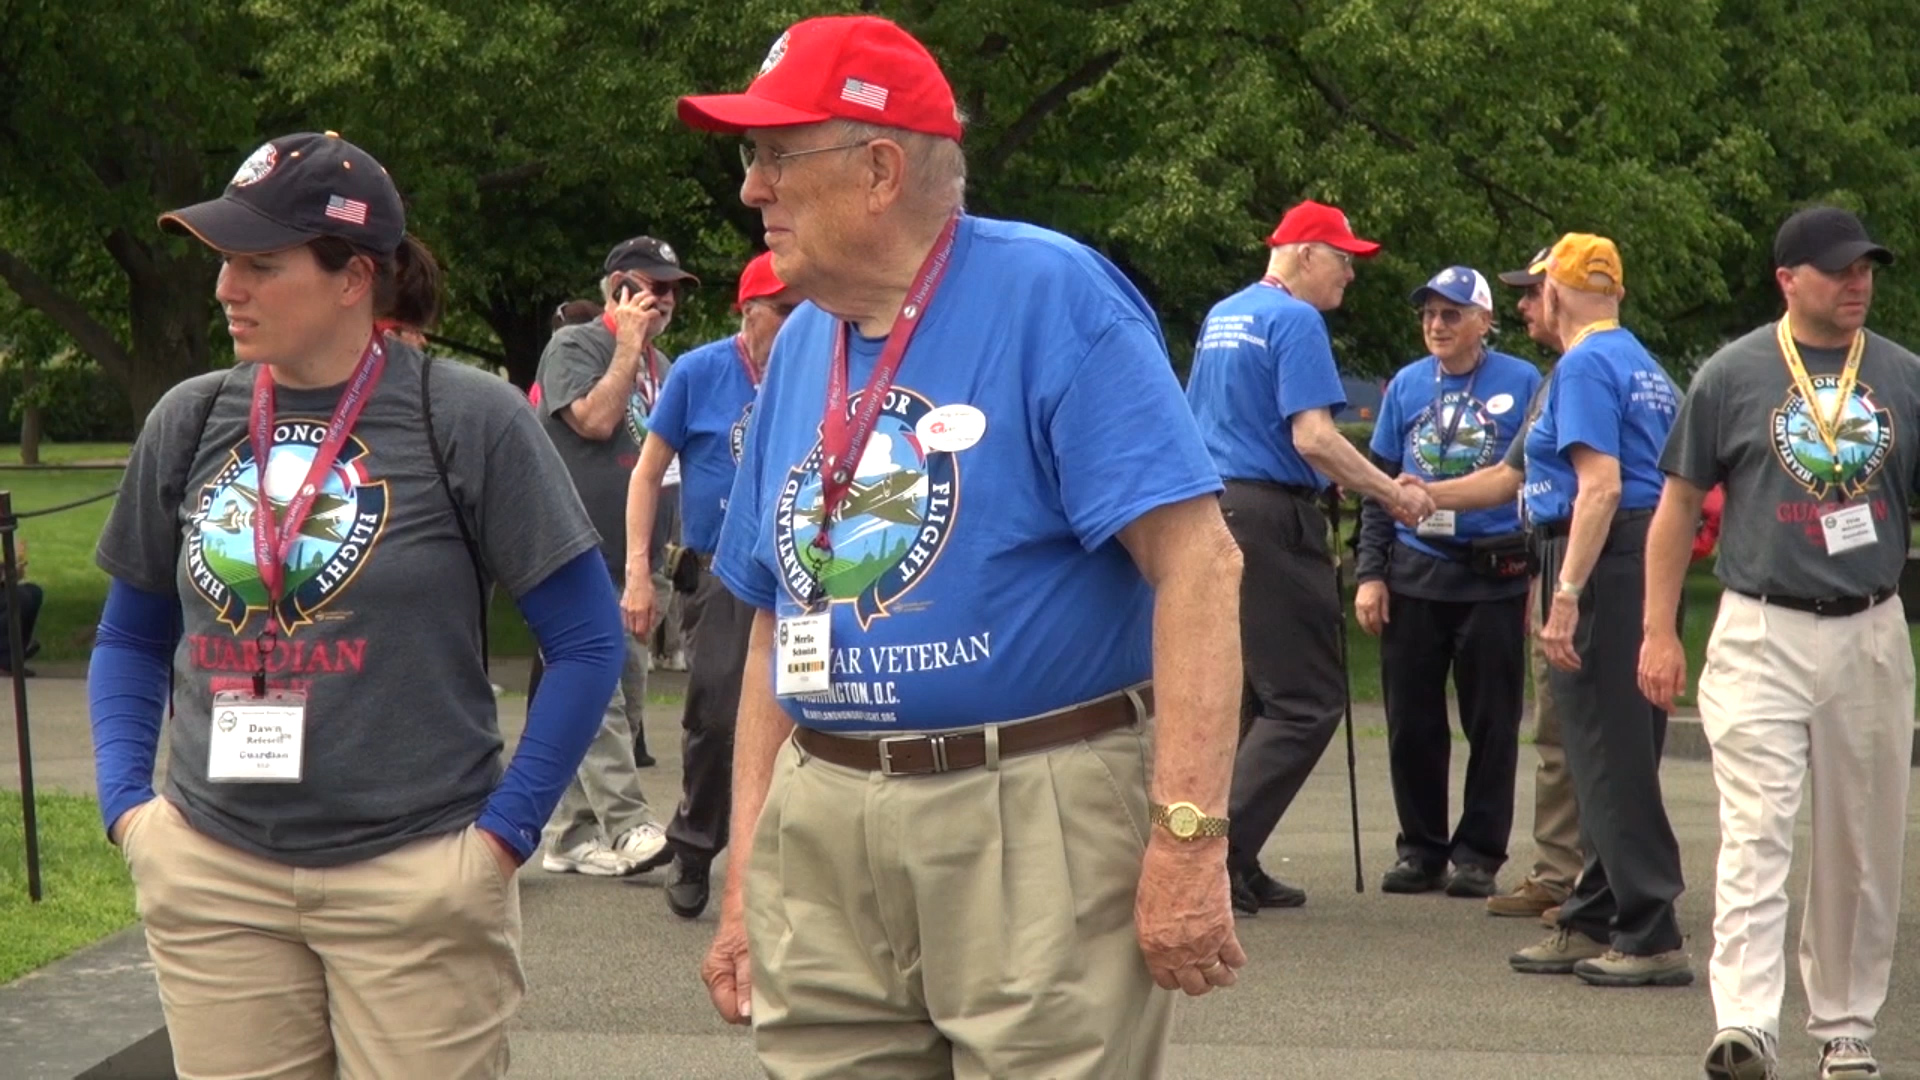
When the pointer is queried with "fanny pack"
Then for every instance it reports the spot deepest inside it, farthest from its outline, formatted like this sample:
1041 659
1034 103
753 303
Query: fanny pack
1506 557
683 568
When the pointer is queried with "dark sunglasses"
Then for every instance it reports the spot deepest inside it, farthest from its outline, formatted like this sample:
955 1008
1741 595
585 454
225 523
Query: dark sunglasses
657 288
1447 316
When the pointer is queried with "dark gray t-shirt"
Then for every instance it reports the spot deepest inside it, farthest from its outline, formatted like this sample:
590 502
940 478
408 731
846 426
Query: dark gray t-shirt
574 360
379 622
1743 424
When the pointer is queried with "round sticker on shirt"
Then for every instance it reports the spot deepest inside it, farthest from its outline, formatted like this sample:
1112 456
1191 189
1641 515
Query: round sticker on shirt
1499 404
951 428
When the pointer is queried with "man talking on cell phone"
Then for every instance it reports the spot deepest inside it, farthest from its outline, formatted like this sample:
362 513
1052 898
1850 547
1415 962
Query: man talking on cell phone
598 383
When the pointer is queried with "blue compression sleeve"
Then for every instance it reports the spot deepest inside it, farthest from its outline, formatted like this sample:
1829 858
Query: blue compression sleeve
576 619
127 693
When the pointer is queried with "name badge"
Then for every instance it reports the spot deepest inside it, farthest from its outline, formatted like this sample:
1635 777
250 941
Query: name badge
1848 529
800 654
1439 523
257 740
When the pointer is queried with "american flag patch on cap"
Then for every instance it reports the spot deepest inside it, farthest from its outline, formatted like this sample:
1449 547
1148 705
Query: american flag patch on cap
864 93
349 210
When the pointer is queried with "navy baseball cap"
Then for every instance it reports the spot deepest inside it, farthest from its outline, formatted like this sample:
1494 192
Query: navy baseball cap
1460 284
644 254
298 188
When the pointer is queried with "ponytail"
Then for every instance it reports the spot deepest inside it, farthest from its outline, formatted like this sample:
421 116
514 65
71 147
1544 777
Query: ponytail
406 284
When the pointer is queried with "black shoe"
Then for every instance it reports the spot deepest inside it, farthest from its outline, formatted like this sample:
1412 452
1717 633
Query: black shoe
1269 891
1471 882
642 759
1244 902
687 887
1408 877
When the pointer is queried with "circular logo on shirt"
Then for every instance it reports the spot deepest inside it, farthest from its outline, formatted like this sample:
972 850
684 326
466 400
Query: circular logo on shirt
737 435
1475 436
1862 439
890 528
639 409
344 524
1500 404
256 167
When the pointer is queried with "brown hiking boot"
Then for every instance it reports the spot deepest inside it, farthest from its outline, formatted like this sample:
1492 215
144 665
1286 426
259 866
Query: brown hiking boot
1527 900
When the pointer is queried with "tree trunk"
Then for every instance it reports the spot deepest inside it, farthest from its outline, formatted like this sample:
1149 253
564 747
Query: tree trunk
523 328
170 306
32 422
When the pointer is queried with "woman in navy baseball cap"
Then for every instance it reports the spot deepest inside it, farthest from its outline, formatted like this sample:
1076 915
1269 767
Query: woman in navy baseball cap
304 550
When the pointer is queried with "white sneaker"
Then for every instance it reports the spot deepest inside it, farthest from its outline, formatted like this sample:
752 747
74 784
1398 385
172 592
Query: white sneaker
645 846
1848 1059
593 858
1740 1053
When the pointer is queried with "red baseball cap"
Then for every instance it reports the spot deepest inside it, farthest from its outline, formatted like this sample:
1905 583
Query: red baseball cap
1318 223
758 280
838 67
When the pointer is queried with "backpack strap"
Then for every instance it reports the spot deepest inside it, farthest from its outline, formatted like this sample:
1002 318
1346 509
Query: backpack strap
459 512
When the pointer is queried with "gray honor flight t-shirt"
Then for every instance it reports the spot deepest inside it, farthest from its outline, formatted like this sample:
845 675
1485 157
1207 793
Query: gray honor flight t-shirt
575 359
1744 423
379 620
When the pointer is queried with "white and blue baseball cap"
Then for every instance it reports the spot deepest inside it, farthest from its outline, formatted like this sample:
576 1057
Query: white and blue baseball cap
1460 284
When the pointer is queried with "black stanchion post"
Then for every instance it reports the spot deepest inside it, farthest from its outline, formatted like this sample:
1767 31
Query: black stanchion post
17 663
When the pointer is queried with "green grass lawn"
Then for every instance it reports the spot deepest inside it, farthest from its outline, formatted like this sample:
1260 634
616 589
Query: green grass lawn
87 894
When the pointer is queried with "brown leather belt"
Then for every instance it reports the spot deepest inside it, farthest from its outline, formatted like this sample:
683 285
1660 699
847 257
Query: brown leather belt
924 755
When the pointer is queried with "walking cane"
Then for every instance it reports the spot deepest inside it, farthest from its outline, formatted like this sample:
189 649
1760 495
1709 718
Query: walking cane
1346 682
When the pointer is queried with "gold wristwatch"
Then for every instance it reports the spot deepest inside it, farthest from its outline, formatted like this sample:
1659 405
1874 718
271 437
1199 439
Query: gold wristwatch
1185 821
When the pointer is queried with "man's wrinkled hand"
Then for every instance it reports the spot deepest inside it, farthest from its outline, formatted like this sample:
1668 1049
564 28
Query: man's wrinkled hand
727 971
1412 504
637 605
633 316
1556 638
1663 668
1370 606
1183 916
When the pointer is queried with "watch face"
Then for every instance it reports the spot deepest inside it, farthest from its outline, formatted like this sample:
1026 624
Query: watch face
1183 820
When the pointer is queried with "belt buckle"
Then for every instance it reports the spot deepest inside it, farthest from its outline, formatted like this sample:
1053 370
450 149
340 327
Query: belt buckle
937 743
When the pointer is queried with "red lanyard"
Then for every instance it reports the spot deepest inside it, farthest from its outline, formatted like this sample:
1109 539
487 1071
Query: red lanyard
1275 282
746 362
842 439
269 547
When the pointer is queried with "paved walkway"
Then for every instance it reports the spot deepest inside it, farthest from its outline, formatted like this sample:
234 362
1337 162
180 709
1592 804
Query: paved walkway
1351 985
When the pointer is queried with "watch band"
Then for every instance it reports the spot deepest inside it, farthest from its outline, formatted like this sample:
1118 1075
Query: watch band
1185 821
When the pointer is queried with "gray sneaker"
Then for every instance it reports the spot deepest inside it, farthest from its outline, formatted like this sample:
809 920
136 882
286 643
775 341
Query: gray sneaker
1740 1053
1558 954
1848 1059
1615 968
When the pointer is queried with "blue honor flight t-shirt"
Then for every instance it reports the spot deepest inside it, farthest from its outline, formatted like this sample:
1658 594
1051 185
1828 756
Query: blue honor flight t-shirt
985 584
1263 358
1439 426
702 413
1609 394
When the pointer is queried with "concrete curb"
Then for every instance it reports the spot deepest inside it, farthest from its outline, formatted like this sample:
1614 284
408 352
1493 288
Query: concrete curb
92 1015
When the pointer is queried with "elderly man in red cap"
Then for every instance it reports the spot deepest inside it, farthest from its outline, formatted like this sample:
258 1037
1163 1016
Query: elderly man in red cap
701 419
985 738
1264 389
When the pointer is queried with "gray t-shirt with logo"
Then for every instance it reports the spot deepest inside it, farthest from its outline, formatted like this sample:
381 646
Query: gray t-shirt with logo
574 360
379 620
1744 424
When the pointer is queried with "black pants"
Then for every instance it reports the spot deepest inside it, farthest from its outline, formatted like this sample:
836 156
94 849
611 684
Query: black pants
1296 686
1614 738
698 830
1483 645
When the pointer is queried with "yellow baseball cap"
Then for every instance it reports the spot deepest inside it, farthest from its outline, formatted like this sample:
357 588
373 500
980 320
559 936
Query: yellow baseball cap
1578 256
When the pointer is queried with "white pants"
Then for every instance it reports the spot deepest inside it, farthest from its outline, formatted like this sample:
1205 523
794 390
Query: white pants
1784 693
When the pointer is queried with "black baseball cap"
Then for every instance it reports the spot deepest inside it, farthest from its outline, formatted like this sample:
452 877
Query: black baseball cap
298 188
1534 273
1827 237
654 258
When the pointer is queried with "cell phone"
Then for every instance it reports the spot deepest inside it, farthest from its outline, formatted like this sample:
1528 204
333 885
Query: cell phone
627 289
